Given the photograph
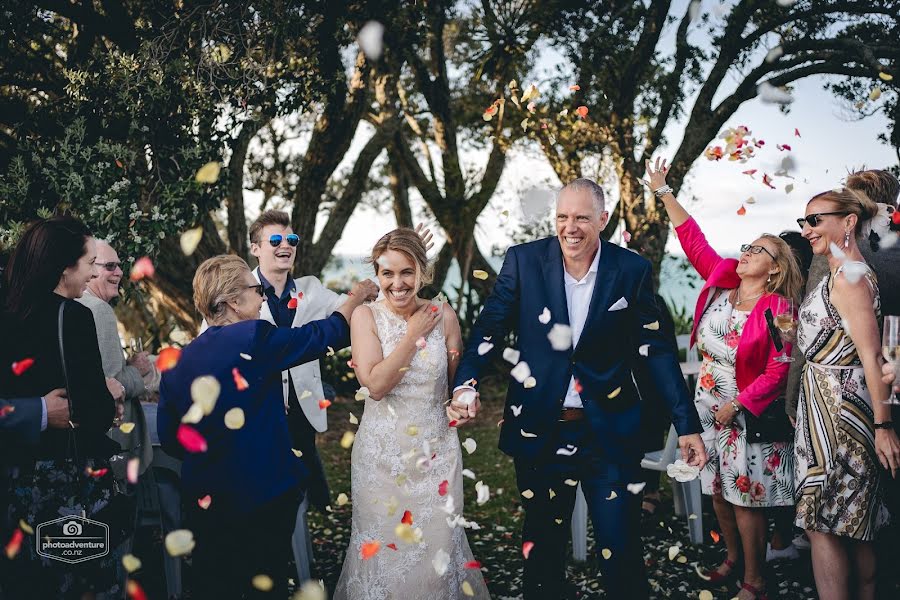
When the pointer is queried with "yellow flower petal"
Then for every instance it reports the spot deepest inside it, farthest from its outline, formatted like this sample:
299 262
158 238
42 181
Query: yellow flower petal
234 418
296 452
607 553
885 76
528 494
208 173
347 440
190 239
24 526
467 589
652 326
342 499
131 563
263 583
614 393
479 274
180 542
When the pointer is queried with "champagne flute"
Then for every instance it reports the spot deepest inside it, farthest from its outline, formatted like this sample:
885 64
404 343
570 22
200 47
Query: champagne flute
890 348
785 323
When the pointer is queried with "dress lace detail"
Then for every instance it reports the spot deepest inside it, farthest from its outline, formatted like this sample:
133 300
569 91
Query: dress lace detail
403 452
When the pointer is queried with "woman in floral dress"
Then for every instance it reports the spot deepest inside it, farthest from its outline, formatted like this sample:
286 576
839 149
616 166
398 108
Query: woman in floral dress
843 422
739 374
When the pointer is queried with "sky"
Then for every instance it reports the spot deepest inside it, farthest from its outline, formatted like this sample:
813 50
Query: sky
829 146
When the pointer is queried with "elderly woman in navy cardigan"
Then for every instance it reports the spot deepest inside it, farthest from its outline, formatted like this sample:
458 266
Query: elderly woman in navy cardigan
221 410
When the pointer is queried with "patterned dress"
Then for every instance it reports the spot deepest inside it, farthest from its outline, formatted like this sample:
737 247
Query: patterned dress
746 474
406 458
837 474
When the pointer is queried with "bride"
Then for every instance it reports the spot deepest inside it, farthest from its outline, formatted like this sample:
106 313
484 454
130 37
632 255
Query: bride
408 538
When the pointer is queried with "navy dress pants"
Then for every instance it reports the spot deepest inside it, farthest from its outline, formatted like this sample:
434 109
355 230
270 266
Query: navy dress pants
548 488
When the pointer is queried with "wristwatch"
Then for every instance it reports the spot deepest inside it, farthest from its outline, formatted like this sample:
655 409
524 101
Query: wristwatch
885 425
736 407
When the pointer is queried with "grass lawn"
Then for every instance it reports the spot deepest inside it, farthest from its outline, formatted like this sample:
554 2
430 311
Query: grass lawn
498 544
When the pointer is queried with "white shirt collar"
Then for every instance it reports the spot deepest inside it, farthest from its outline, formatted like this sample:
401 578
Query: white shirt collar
591 270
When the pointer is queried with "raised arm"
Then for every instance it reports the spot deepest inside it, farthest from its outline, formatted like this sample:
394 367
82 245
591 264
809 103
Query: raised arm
284 347
698 251
382 373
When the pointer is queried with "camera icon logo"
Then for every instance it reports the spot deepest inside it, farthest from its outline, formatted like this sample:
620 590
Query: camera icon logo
72 528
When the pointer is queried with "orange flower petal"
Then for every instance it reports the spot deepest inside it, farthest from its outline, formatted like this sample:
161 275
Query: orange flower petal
582 111
14 544
239 382
714 535
407 518
325 403
204 502
168 358
135 591
369 549
575 87
742 211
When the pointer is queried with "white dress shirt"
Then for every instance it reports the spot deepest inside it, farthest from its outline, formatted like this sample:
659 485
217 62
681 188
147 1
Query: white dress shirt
578 299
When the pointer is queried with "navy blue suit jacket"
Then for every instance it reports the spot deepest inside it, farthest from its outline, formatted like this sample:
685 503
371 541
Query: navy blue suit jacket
603 361
247 467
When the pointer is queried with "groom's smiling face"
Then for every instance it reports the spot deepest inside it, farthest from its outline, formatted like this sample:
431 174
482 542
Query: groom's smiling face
578 224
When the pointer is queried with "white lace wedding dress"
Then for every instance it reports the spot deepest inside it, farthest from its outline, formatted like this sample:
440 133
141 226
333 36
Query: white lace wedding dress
407 458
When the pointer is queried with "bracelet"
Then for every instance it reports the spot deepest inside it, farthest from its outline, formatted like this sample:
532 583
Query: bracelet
885 425
735 406
660 192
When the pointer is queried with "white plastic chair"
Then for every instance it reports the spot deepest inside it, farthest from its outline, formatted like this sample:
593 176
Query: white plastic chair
687 496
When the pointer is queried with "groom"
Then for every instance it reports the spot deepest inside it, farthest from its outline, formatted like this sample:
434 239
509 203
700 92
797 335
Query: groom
584 315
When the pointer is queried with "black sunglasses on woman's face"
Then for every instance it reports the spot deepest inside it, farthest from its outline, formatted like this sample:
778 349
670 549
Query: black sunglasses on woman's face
756 250
259 289
814 218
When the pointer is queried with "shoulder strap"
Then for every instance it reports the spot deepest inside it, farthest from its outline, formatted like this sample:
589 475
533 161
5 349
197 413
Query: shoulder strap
62 361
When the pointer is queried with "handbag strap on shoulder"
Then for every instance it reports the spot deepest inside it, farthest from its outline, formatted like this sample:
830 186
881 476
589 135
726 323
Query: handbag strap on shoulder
73 446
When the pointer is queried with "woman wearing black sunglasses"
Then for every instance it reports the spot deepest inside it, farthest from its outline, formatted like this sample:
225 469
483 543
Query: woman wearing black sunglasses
843 422
740 378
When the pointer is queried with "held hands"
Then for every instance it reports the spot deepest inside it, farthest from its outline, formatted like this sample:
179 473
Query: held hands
461 409
887 449
57 409
423 321
657 173
693 452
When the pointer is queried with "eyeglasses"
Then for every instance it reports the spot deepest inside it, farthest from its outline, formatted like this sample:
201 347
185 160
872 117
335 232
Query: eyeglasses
259 289
110 266
814 218
275 239
756 250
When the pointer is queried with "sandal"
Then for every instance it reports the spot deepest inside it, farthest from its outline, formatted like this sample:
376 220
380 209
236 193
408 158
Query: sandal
758 594
715 577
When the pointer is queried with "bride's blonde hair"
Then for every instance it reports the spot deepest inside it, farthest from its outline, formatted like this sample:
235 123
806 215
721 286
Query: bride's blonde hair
408 242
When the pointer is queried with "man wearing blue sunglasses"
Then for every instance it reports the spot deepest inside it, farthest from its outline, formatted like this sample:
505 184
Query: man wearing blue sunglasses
292 303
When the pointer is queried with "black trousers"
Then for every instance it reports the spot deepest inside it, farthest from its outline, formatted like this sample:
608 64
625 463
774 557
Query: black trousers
548 520
233 548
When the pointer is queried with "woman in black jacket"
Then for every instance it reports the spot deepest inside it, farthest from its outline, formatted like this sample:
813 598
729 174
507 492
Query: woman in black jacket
52 265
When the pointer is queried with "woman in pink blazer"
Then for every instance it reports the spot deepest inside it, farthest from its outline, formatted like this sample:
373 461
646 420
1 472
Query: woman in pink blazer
739 375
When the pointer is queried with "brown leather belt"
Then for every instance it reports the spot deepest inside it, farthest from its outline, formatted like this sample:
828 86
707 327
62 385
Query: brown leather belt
571 414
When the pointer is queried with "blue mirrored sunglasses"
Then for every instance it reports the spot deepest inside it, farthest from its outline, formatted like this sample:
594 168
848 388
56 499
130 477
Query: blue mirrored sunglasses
275 239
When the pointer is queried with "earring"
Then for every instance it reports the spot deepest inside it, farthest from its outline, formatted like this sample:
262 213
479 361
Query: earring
846 238
769 280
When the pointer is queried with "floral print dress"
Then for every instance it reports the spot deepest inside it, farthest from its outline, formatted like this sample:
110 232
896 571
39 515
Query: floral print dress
746 474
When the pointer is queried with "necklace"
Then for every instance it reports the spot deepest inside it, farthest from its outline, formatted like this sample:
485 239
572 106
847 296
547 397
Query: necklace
739 300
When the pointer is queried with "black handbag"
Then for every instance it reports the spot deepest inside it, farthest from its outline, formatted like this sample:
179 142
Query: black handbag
102 498
771 426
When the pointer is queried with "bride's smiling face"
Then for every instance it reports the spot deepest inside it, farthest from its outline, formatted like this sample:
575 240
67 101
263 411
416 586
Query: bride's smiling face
397 277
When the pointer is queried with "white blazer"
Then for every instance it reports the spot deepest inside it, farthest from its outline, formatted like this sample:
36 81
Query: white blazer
318 302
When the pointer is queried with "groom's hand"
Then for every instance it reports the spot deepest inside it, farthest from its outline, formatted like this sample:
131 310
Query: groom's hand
461 409
693 451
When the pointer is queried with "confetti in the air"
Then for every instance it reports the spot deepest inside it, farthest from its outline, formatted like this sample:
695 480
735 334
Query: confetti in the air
179 542
370 39
208 173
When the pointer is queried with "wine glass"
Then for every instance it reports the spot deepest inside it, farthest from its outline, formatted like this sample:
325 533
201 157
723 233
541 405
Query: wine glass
890 348
785 323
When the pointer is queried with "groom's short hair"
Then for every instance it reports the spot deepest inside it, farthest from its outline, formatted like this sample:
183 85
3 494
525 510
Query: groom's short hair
269 217
583 184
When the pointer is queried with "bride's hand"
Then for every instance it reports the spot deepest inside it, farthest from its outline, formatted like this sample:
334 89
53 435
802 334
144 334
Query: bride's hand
423 321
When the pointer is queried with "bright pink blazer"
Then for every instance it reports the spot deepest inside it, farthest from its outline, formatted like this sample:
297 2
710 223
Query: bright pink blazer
760 378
